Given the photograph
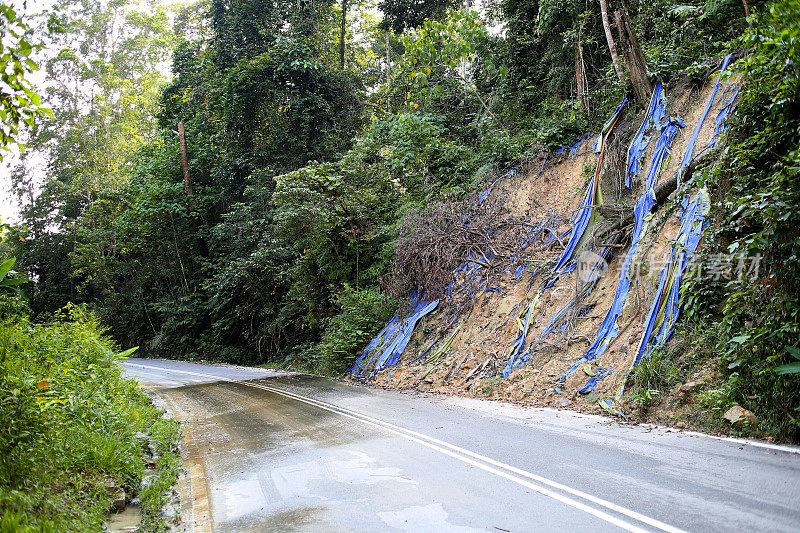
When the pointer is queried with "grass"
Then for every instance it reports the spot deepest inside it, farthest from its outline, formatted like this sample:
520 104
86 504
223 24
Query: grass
73 431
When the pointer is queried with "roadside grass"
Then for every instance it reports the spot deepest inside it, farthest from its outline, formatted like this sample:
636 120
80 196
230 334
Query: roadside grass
73 431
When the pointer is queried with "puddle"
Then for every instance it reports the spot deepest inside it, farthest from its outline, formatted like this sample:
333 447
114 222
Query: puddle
431 517
125 522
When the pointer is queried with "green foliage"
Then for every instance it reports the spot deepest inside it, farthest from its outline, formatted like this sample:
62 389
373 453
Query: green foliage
758 319
69 424
20 104
402 14
361 315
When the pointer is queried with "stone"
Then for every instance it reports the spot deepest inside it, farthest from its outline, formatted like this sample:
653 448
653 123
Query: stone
739 416
690 387
680 424
563 402
118 503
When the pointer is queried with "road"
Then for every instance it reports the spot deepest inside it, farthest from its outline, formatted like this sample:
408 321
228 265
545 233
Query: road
272 451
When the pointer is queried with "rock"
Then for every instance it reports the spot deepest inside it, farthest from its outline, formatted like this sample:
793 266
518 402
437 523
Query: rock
563 402
680 424
739 416
691 386
118 503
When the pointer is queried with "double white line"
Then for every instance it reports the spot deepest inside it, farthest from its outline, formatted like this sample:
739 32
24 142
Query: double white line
544 486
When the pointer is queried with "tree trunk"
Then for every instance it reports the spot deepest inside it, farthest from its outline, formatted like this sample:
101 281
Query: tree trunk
662 190
582 109
634 58
612 47
187 180
388 73
342 34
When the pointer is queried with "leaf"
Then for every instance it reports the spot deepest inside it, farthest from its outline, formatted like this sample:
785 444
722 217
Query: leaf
735 364
126 353
6 266
791 368
794 352
740 339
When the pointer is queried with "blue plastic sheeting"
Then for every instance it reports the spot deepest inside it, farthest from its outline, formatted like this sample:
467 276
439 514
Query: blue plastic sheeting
721 120
664 312
687 157
494 289
579 224
515 361
598 143
581 219
591 385
519 342
654 116
387 347
519 270
609 328
576 148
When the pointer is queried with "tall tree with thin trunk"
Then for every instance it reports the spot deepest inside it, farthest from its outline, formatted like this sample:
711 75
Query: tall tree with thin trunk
342 34
612 47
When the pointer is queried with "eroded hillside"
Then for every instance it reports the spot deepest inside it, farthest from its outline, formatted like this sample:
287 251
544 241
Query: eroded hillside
593 283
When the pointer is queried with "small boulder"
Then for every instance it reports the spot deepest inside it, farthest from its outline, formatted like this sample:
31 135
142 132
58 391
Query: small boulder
739 416
690 387
118 502
563 402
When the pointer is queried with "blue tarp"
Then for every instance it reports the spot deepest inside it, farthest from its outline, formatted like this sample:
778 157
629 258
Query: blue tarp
515 361
721 120
581 219
387 347
598 144
609 328
663 314
687 157
652 119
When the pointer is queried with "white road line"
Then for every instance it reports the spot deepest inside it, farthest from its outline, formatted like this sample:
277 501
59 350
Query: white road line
470 458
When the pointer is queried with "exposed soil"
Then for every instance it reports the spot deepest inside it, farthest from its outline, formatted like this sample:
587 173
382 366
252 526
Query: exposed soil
487 320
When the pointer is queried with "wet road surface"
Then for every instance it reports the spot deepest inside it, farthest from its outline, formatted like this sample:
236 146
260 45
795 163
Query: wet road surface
271 451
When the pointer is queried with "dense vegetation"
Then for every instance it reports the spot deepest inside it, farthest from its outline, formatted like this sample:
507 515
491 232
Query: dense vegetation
74 432
315 131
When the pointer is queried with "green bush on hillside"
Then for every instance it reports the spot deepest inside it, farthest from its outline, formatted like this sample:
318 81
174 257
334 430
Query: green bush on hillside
68 423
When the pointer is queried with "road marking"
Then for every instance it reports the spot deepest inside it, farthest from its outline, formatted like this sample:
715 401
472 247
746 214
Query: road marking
487 464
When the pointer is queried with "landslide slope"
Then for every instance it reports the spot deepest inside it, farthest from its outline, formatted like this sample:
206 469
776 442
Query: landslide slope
552 289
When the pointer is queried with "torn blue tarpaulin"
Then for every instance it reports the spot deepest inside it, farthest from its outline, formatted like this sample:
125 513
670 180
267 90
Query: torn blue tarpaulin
663 314
721 120
609 328
598 144
579 224
516 359
576 148
584 214
652 119
498 290
387 347
687 156
591 385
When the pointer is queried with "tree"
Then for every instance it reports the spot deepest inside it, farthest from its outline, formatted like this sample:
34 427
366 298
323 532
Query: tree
612 47
20 104
400 15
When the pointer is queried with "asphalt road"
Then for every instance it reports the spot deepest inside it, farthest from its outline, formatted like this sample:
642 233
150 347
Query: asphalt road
271 451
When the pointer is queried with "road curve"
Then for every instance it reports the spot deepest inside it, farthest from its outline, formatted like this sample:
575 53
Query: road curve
273 451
